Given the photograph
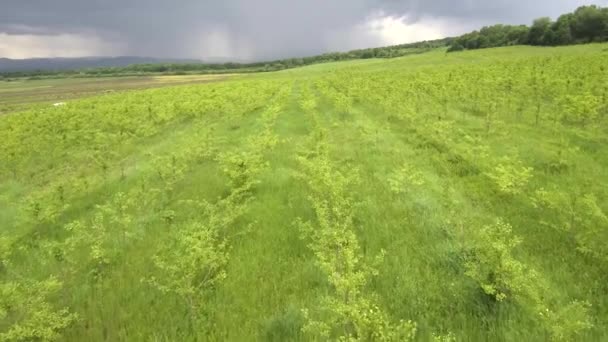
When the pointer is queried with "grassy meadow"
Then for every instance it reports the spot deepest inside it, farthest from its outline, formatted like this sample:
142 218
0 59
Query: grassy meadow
434 197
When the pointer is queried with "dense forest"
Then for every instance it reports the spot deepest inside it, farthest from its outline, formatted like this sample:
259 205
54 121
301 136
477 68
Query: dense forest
585 25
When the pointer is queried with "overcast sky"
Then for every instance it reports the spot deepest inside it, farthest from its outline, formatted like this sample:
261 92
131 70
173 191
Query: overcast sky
246 29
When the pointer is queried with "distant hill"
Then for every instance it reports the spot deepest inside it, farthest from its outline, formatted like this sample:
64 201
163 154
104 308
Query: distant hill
123 66
59 64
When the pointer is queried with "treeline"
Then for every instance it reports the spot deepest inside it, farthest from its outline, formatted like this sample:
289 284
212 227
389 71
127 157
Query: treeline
585 25
222 68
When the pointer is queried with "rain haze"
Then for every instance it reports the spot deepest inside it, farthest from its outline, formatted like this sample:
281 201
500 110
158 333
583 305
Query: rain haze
245 30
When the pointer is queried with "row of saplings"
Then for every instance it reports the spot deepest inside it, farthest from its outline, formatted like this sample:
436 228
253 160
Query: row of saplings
489 251
190 263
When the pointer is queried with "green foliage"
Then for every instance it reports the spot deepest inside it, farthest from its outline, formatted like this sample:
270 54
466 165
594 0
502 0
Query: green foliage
171 170
456 47
194 259
398 168
539 30
284 326
240 167
118 212
581 108
579 214
510 176
405 178
45 209
27 315
449 337
5 252
94 237
347 314
358 320
590 23
569 322
594 221
586 24
494 267
192 263
491 36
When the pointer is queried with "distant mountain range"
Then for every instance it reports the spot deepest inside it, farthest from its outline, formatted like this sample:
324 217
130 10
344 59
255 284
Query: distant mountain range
90 65
52 64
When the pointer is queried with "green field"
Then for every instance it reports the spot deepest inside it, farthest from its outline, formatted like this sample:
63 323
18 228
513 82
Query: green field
19 94
435 197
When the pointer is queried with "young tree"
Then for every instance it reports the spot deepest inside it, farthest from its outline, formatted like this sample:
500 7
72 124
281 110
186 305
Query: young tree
581 109
30 316
346 313
511 176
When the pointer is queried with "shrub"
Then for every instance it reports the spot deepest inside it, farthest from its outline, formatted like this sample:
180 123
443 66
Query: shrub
25 308
510 176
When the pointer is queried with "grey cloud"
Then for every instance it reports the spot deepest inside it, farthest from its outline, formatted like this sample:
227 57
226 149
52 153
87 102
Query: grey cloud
21 29
265 28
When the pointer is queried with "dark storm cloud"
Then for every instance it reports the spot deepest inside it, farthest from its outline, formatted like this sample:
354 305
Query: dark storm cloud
245 28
